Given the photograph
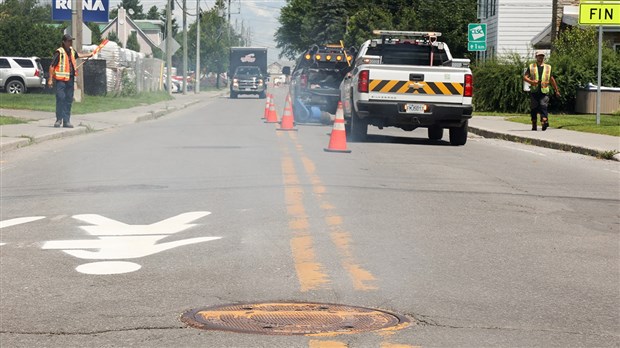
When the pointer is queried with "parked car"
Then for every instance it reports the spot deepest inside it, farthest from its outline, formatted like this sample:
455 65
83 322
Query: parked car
19 74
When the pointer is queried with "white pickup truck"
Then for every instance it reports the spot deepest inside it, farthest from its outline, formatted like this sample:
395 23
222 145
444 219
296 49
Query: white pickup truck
408 79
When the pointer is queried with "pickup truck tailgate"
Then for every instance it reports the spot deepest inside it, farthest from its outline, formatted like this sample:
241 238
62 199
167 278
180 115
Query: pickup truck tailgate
416 83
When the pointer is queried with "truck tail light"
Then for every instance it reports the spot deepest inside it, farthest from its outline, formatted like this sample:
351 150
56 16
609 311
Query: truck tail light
362 83
469 86
303 81
36 72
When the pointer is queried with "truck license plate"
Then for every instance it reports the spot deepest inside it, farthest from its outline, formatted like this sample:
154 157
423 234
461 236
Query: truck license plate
414 108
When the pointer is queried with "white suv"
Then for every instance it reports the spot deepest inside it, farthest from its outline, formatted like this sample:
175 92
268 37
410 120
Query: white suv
18 74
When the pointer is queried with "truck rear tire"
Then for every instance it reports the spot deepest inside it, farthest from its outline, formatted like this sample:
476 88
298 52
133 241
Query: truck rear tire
435 133
458 136
359 127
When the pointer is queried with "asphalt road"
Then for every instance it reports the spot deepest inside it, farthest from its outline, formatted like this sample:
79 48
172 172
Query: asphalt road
108 238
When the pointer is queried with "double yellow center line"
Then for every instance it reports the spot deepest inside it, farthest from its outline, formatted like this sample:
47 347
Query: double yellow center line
311 273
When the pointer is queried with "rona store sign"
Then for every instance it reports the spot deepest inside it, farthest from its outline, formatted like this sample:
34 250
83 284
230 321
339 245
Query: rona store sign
92 10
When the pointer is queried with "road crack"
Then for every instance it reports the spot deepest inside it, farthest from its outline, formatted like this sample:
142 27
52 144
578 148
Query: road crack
96 332
425 320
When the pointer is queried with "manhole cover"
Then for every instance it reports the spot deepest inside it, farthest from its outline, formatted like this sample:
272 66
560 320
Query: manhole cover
291 318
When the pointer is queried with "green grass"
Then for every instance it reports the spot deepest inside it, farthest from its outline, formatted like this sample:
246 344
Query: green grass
10 120
89 104
610 124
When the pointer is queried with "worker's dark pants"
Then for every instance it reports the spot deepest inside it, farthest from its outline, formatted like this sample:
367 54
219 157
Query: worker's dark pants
539 104
64 99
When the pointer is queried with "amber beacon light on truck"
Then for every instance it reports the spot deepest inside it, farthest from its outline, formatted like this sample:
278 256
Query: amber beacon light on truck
330 53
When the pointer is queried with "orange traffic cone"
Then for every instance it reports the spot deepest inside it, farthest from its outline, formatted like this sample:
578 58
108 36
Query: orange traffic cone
267 103
338 138
272 117
287 118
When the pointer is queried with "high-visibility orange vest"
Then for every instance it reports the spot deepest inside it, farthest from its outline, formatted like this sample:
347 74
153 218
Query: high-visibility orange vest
543 84
62 71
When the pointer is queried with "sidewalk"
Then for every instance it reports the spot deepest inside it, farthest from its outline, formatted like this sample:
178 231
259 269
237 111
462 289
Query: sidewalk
560 139
41 129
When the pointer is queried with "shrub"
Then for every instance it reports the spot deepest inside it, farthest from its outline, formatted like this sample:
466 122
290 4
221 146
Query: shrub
498 86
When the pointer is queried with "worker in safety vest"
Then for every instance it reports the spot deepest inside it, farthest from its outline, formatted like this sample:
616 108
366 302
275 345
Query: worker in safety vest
63 71
539 77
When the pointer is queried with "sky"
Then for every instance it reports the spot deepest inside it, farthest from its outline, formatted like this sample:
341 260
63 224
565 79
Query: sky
260 15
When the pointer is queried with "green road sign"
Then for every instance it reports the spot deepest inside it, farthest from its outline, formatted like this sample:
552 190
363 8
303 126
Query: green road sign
476 46
477 32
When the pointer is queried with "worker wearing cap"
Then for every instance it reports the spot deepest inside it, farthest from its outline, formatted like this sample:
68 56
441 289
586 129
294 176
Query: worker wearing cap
63 72
539 77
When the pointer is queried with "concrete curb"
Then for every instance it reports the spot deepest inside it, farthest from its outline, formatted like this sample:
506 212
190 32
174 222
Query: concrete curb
12 143
539 142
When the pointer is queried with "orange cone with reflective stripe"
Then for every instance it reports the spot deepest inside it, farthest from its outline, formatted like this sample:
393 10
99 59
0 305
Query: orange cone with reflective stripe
338 138
267 103
287 123
272 116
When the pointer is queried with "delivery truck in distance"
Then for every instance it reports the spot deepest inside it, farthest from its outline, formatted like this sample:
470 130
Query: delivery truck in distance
248 71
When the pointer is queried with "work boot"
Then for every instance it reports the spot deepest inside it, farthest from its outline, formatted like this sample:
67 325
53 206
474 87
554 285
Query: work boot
68 125
545 124
534 126
57 123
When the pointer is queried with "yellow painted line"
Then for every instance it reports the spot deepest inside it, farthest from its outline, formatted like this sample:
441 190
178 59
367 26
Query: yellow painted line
396 345
326 344
309 271
362 279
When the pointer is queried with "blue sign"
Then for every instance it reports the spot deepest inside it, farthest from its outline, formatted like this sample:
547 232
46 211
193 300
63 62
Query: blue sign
92 10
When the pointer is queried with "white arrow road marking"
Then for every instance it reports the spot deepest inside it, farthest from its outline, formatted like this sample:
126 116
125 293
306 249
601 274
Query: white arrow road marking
18 221
114 248
110 227
108 267
118 240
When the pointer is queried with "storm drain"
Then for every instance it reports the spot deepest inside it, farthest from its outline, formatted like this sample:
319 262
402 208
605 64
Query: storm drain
292 318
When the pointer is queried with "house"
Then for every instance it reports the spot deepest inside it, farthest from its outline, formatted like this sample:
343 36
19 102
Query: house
520 26
511 25
148 32
566 15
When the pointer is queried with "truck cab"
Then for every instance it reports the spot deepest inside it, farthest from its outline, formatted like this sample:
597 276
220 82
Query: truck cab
248 71
248 80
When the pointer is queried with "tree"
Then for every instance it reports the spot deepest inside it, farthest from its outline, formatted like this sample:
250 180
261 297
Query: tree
133 8
153 13
25 29
112 36
95 32
132 42
306 22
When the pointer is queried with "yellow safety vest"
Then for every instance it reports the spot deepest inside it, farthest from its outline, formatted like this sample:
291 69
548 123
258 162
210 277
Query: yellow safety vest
543 83
62 71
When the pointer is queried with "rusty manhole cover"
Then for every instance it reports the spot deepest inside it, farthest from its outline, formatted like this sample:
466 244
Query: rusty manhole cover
292 318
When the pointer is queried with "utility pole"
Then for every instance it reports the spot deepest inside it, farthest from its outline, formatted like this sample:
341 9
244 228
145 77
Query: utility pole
184 47
228 24
76 28
169 46
197 73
